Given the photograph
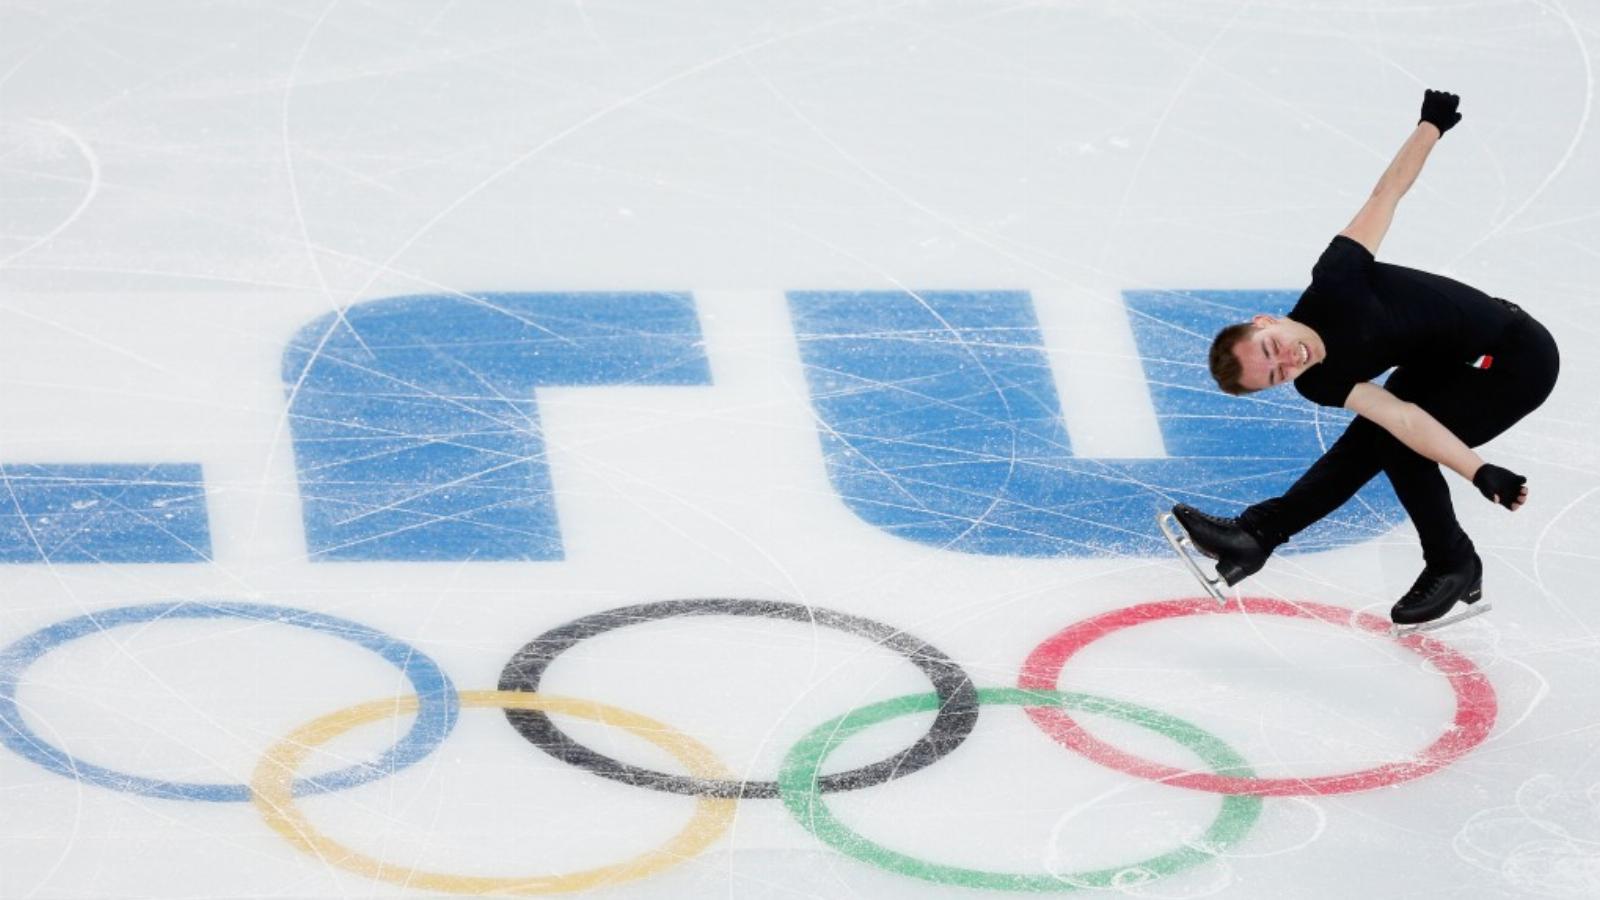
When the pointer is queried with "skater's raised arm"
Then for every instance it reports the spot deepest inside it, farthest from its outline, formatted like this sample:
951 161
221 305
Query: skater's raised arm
1416 428
1372 222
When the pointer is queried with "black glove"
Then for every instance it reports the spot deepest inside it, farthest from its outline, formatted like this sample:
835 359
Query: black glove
1503 486
1439 110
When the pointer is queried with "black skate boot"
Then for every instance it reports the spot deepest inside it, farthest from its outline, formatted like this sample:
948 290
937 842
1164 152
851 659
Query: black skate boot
1436 591
1238 553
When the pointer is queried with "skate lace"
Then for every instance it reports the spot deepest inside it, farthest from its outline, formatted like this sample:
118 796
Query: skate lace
1425 583
1209 519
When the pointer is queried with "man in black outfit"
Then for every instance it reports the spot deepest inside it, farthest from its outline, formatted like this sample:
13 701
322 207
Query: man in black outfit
1359 318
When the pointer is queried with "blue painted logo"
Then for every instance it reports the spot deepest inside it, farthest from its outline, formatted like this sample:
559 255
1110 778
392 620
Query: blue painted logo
941 425
103 513
417 437
416 428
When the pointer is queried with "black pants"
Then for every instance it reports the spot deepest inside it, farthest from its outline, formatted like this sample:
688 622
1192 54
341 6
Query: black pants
1475 404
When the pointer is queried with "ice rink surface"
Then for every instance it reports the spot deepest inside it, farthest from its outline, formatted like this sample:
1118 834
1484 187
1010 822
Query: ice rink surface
413 412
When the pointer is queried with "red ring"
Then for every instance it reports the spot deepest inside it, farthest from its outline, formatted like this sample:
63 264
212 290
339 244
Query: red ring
1476 706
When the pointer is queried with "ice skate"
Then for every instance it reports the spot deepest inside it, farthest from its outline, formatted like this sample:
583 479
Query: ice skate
1437 591
1238 554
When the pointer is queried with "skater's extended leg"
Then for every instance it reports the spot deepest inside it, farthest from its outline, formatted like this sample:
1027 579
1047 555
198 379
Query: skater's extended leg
1241 546
1331 481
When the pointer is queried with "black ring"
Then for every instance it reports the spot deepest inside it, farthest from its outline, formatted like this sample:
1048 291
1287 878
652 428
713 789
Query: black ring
958 699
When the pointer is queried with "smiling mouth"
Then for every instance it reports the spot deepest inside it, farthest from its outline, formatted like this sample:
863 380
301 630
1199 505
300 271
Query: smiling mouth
1304 354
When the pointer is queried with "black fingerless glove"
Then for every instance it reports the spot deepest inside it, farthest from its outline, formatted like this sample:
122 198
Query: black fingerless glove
1439 110
1494 482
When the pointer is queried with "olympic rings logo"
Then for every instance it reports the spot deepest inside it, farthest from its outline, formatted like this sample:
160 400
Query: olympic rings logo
275 786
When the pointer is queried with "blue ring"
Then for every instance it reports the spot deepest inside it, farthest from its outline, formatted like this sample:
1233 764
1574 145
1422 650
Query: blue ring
436 714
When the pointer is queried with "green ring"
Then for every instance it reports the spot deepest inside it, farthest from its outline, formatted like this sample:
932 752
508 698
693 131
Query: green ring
801 767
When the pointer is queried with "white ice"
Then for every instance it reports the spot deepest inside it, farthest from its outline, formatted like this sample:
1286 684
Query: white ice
183 185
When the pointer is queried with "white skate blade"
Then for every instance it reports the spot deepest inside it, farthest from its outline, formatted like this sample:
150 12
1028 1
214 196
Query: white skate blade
1179 539
1476 609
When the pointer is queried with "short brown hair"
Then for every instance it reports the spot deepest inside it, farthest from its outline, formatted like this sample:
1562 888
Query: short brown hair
1225 367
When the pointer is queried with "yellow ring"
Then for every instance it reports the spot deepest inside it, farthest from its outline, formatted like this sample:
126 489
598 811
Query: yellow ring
273 794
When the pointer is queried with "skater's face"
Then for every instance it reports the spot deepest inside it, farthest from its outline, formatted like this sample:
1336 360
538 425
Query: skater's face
1276 351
